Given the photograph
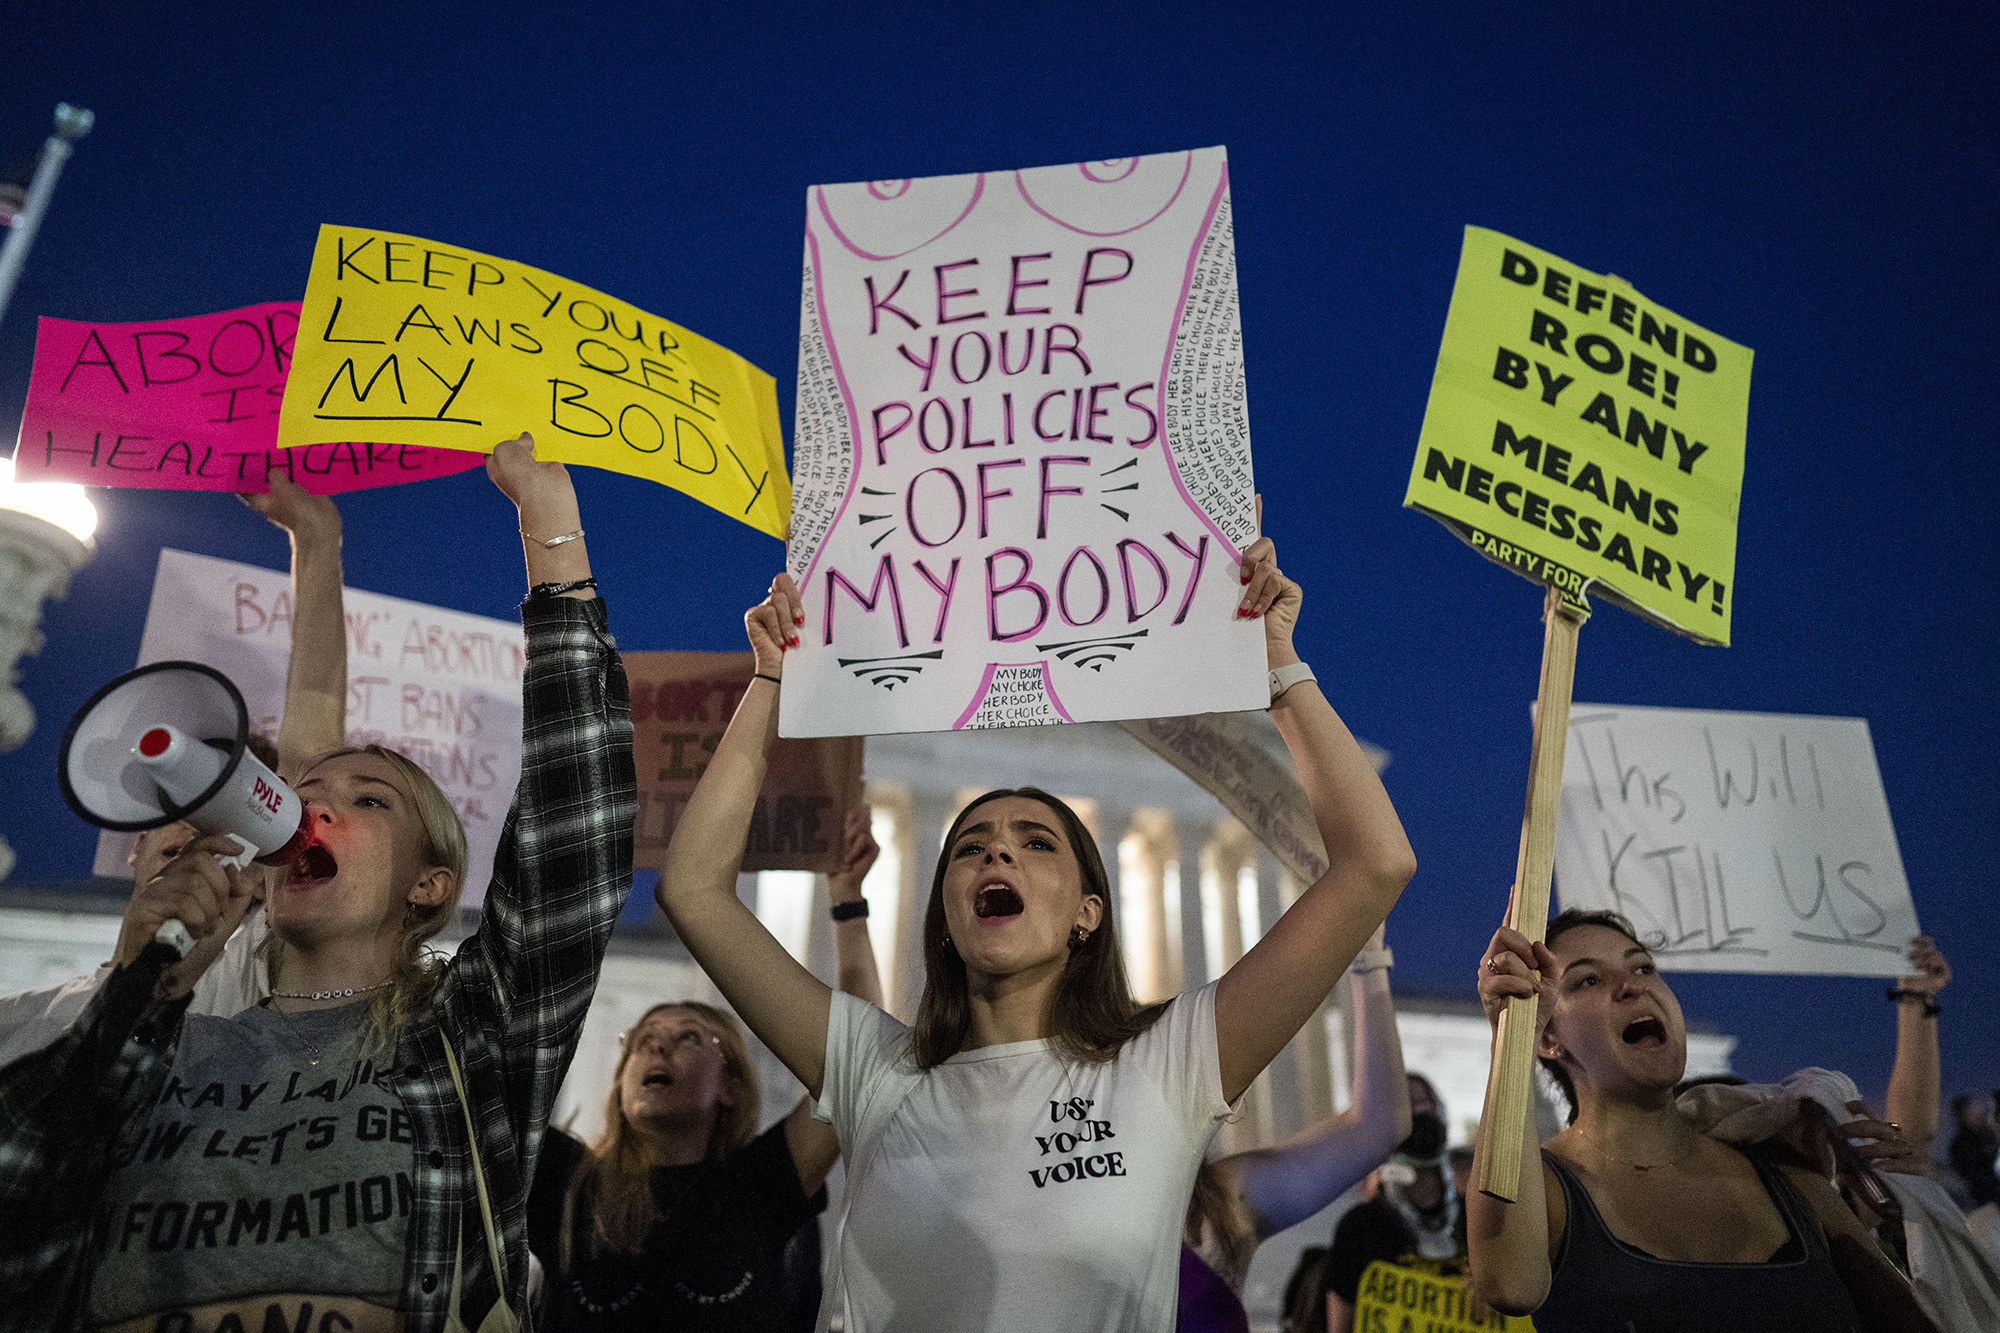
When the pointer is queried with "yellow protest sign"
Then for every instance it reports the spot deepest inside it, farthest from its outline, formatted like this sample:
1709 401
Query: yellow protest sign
1586 437
1397 1299
408 341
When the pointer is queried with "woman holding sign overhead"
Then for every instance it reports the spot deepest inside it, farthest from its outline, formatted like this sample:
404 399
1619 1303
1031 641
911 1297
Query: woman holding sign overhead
356 1153
1022 1157
1636 1219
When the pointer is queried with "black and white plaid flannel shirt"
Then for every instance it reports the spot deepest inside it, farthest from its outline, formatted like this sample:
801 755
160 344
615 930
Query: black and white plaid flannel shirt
512 1001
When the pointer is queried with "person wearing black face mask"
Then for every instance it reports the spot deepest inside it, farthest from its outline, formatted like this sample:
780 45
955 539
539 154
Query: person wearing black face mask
1412 1219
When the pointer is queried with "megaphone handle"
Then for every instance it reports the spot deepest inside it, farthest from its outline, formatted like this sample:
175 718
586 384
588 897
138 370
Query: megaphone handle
175 935
241 858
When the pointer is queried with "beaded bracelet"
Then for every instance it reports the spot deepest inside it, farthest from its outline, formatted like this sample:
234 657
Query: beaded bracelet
541 590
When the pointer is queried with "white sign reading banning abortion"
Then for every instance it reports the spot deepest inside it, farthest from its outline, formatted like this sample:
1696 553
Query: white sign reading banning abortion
1737 842
441 687
1021 468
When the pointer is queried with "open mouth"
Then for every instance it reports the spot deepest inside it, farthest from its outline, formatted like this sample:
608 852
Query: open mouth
1645 1032
996 900
314 864
659 1078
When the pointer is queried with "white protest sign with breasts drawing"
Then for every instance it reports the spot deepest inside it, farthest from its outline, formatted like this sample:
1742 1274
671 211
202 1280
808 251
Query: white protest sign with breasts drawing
1022 482
438 686
1736 842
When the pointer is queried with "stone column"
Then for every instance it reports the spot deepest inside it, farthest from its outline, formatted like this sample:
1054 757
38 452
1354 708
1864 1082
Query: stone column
36 560
1189 838
888 886
930 815
1148 936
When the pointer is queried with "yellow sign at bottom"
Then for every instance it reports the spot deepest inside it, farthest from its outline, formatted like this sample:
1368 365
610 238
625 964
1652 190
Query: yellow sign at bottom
1396 1299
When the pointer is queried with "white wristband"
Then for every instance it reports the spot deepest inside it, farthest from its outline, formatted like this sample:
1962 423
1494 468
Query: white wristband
1372 960
1284 677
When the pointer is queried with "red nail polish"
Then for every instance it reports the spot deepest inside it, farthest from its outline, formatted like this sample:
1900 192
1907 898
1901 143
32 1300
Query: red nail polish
1246 577
798 620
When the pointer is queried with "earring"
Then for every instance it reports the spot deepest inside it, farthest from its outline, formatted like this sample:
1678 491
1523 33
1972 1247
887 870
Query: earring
1078 937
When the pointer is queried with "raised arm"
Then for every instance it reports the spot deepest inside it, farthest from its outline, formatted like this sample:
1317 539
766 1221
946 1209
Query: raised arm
1512 1244
815 1147
315 716
1285 1185
1267 997
563 866
855 969
784 1004
1915 1084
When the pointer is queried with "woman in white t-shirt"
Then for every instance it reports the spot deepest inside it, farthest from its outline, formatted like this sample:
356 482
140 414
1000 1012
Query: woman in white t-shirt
1022 1157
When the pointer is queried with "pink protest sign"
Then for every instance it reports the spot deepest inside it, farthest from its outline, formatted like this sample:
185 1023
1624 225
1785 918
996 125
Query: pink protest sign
192 405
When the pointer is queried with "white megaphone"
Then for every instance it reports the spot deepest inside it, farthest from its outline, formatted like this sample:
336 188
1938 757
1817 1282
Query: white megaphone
170 742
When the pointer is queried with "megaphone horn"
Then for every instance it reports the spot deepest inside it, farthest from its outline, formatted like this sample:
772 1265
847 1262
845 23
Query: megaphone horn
170 742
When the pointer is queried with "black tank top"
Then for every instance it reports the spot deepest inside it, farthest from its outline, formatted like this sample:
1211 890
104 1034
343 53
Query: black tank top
1602 1285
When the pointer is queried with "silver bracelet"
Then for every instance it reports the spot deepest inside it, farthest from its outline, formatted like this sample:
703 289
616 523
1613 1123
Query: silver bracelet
552 542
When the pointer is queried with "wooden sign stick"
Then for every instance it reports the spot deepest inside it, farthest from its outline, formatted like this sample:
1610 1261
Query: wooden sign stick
1511 1088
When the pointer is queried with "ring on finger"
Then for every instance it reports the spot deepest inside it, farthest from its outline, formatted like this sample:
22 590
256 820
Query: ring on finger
1493 963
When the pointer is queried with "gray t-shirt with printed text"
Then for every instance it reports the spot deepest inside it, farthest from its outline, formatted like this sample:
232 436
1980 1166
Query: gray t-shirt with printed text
260 1170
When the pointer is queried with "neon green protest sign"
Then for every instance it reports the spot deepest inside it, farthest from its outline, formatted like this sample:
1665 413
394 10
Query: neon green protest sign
1586 437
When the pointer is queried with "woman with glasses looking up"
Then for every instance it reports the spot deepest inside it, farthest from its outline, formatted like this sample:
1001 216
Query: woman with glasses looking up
680 1214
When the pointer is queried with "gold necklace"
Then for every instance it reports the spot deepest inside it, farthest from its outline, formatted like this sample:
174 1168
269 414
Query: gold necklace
1639 1166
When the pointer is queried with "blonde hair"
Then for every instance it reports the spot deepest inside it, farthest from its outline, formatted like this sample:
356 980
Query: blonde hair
1217 1209
615 1172
413 973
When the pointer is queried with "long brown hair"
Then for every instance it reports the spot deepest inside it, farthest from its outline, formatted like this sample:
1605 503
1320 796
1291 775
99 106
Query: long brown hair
1218 1209
1093 1012
413 971
614 1176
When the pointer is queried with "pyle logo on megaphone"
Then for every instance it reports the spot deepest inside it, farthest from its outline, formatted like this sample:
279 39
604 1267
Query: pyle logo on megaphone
170 742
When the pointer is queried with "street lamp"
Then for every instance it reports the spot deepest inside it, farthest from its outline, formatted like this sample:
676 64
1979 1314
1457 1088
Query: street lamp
72 123
45 536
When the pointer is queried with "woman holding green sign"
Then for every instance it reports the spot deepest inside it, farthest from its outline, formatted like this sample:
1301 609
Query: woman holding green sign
1636 1219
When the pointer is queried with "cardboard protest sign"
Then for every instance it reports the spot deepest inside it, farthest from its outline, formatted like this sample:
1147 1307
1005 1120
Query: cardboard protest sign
441 687
1586 437
680 704
188 404
1394 1298
1022 451
1221 752
1739 842
421 343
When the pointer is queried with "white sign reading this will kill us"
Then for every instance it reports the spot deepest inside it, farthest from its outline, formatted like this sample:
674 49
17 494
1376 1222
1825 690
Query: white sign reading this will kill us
1737 842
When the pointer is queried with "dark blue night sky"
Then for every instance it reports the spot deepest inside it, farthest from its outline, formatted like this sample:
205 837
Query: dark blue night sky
1817 182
